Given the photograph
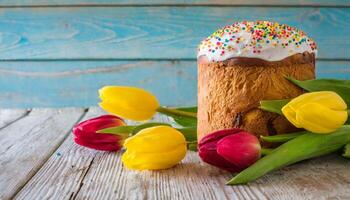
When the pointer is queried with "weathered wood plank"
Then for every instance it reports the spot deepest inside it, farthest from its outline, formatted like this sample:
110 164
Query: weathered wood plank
55 84
61 176
8 116
79 173
26 144
151 32
172 2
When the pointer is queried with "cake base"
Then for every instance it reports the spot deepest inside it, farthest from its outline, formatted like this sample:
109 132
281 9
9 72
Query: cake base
229 92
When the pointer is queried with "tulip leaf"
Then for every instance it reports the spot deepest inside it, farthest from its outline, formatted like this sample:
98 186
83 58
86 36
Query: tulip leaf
147 125
184 116
117 130
341 87
304 147
346 153
273 105
186 121
192 147
190 133
282 137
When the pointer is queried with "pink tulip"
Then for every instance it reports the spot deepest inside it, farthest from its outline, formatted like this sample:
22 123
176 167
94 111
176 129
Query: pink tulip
85 133
231 149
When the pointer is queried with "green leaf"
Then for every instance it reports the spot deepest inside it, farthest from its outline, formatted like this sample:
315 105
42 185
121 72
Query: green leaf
186 121
303 147
130 130
147 125
273 105
341 87
184 116
346 153
192 147
190 133
117 130
282 137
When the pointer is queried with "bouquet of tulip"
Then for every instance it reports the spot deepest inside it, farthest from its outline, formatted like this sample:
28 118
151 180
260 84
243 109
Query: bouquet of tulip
321 112
148 145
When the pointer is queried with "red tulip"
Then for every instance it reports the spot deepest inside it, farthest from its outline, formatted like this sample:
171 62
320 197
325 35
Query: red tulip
231 149
85 133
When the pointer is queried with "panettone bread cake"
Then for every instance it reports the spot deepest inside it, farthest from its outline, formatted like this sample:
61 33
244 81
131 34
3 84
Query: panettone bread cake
244 63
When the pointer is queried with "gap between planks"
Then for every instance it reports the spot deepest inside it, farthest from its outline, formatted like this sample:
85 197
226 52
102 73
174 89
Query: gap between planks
55 148
10 116
27 143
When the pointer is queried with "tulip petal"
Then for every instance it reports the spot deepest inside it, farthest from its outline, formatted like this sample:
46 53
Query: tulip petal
326 98
101 122
106 146
217 135
242 149
290 114
207 152
155 139
318 118
85 133
155 160
128 102
208 149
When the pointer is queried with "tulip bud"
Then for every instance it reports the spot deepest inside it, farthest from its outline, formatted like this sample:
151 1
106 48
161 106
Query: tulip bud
317 112
230 149
128 102
242 149
154 148
85 133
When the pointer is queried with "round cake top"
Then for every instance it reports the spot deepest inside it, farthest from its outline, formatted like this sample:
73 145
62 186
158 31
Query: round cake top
266 40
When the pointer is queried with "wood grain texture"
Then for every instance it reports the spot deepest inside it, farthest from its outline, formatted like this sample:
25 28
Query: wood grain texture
67 168
173 2
8 116
27 143
163 32
80 173
75 83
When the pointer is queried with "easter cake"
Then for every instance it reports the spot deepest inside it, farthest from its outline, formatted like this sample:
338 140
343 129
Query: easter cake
244 63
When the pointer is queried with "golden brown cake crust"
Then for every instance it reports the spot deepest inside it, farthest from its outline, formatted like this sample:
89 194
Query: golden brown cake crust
229 92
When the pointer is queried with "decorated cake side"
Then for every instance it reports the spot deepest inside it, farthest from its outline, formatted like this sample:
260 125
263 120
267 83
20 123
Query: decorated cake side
244 63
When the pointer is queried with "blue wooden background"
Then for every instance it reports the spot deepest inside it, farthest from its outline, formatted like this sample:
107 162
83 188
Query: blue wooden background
58 53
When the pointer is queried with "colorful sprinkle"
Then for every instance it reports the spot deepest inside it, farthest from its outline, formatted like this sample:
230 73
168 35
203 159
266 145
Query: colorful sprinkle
251 37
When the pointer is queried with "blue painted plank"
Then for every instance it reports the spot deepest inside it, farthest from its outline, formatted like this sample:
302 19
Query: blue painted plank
75 83
174 2
151 32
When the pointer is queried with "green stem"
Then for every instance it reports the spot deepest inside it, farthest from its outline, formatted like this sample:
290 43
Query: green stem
266 151
171 111
192 142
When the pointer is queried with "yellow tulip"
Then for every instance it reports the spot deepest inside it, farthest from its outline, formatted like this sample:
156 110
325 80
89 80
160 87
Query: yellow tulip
154 148
319 112
128 102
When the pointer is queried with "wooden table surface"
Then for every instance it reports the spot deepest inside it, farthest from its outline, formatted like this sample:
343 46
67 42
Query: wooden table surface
39 160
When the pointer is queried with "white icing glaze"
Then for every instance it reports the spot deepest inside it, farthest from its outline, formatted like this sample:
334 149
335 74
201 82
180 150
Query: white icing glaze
261 39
